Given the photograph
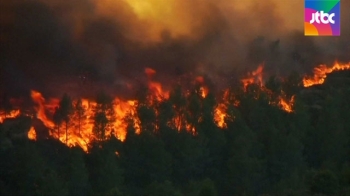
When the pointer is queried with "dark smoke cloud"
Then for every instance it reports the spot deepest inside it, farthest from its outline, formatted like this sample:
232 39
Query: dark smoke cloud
83 46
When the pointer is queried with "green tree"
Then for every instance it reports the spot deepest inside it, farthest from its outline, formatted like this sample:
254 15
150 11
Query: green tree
244 169
105 172
324 182
147 116
205 187
160 189
145 160
26 172
76 172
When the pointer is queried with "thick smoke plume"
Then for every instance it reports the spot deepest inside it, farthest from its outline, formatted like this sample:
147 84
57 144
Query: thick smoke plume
83 46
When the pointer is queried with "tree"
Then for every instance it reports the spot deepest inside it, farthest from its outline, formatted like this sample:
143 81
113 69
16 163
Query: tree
147 116
104 116
26 172
145 160
76 172
160 189
178 101
57 118
194 108
105 173
324 182
79 113
244 169
205 187
63 113
66 111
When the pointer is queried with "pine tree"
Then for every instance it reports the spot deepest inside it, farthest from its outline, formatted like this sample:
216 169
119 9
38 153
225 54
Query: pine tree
104 116
79 113
66 108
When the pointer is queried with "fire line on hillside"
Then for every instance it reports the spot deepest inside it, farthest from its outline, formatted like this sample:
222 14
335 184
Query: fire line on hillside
81 133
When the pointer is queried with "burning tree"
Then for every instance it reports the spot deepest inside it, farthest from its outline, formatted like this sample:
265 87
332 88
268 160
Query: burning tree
104 116
79 114
64 114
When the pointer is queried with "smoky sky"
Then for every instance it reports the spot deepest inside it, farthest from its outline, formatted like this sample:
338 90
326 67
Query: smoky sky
83 46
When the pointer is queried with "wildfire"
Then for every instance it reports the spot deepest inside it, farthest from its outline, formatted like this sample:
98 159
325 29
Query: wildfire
321 71
254 77
155 87
220 114
79 130
32 134
11 114
203 89
40 108
287 105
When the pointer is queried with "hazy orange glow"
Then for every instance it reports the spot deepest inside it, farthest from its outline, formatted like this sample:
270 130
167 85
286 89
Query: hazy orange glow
162 15
321 71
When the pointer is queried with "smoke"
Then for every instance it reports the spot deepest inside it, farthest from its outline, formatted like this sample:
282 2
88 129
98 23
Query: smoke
83 46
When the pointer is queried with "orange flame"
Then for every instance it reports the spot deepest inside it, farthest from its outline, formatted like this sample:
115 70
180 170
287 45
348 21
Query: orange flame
11 114
321 71
39 100
32 134
220 114
287 105
80 128
150 72
155 87
203 89
254 77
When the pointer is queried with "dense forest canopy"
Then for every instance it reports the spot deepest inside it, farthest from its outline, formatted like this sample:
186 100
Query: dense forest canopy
171 97
185 142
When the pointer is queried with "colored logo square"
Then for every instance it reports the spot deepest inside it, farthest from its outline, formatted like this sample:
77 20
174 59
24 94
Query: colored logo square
322 18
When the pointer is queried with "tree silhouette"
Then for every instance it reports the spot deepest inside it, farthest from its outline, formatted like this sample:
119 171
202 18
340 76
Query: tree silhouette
66 110
104 116
79 113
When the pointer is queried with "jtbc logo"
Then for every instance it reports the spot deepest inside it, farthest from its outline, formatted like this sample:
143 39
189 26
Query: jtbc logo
317 17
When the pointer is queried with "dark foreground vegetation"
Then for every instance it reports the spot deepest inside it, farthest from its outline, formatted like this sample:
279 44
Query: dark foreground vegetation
262 151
